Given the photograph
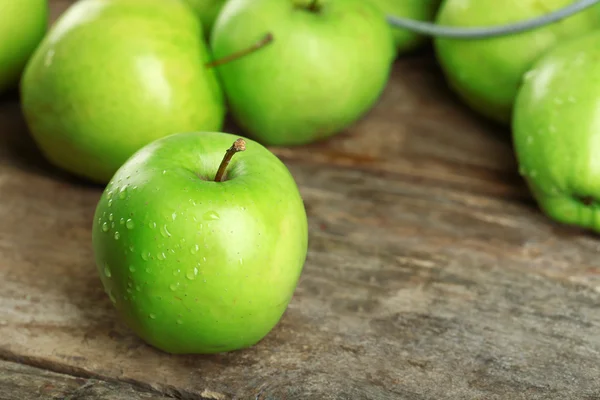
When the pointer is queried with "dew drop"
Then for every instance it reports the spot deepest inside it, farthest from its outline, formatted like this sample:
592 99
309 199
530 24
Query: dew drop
191 274
164 231
112 224
161 256
132 268
173 287
130 247
194 249
112 297
129 224
123 192
241 261
151 316
110 217
122 221
107 272
109 194
145 255
179 322
533 173
211 216
148 270
117 235
109 202
105 227
173 216
529 140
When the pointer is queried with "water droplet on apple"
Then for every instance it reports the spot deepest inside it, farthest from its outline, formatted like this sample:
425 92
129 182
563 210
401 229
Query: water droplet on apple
123 192
131 247
109 194
241 261
129 290
151 316
211 215
148 270
152 225
533 173
111 296
161 256
129 224
122 221
179 322
145 255
110 217
571 99
173 287
191 274
529 140
138 288
105 227
112 224
164 171
173 216
117 235
107 272
522 171
110 202
132 268
164 231
194 249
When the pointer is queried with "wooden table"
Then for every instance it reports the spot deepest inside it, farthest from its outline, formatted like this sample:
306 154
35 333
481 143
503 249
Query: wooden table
431 275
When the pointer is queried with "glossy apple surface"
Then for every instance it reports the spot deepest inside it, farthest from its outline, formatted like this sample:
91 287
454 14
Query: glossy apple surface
23 24
193 265
486 73
326 67
556 132
114 75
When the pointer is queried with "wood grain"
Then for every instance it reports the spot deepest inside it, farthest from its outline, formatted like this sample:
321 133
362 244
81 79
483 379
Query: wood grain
431 273
21 382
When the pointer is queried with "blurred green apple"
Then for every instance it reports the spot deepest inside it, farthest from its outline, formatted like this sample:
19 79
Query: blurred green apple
556 132
326 66
207 11
418 10
23 24
486 73
114 75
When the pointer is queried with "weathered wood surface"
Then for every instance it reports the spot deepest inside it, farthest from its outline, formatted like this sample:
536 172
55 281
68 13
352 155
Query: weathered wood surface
431 273
19 381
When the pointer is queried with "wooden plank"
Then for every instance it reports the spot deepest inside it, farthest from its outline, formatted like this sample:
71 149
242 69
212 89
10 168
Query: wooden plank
431 274
21 382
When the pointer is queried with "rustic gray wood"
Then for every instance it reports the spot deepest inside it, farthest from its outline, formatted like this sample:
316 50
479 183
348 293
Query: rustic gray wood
431 273
22 382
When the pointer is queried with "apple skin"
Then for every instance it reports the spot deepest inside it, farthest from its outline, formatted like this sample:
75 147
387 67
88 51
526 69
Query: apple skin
113 75
207 266
556 132
23 24
418 10
207 11
322 72
486 73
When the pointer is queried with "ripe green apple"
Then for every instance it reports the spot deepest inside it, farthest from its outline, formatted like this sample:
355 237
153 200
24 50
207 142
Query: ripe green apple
419 10
556 131
326 66
113 75
195 264
23 24
207 11
486 73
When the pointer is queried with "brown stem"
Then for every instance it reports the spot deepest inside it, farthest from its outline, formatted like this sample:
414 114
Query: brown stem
268 38
313 6
238 145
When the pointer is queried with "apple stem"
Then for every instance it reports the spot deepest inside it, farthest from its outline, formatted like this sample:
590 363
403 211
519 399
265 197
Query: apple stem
238 145
268 38
313 6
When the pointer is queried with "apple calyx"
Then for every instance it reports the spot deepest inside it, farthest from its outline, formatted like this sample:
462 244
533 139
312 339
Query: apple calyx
586 200
237 146
268 38
314 6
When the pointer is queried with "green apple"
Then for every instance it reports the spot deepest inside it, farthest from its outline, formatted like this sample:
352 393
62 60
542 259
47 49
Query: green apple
113 75
326 66
418 10
194 263
556 131
486 73
207 11
23 24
